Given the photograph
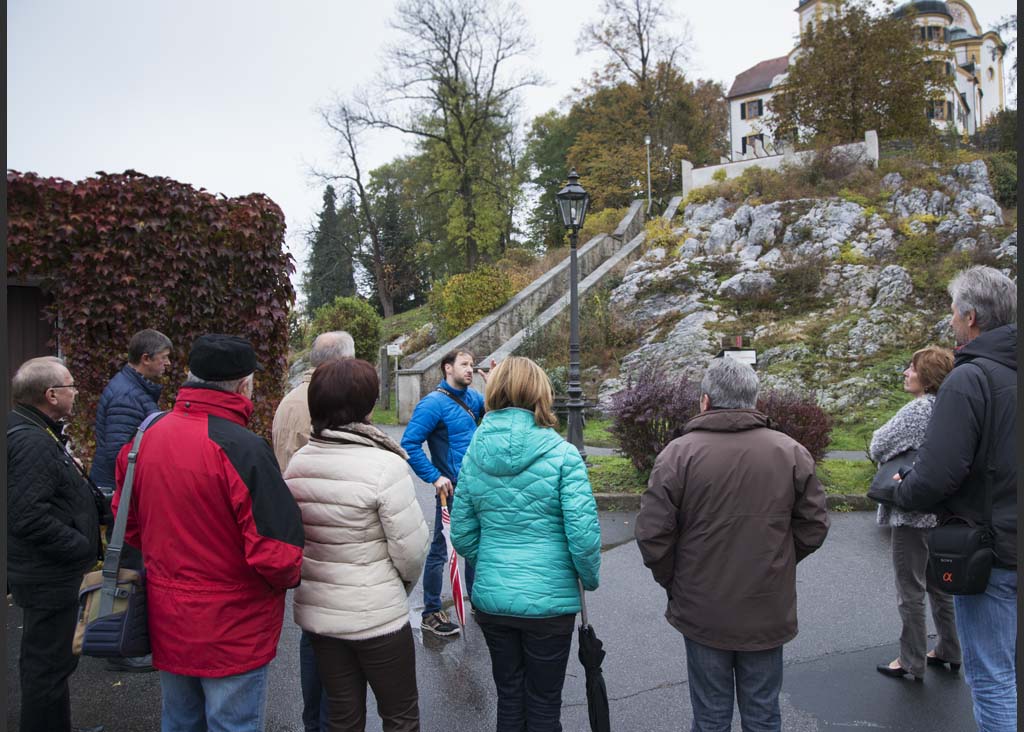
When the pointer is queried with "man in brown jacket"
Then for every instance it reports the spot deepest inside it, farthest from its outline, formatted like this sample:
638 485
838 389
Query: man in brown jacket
730 508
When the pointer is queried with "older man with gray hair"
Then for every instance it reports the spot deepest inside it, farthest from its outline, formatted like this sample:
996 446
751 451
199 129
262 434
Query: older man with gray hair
731 506
967 468
53 538
292 426
291 420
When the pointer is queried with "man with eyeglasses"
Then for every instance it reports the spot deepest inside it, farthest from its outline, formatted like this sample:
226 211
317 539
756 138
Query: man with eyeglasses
129 397
53 538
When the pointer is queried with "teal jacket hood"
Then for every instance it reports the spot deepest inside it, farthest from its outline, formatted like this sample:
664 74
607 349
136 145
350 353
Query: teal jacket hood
506 444
525 517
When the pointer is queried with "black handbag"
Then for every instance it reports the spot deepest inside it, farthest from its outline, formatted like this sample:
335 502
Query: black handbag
112 620
960 550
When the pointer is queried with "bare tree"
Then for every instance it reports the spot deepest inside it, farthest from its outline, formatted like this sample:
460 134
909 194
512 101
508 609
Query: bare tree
637 35
450 85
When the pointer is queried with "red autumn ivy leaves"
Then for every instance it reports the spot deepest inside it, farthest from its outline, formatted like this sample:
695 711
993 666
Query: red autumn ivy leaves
127 251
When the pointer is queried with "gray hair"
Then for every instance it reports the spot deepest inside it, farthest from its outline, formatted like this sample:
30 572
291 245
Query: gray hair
34 377
331 346
228 386
730 384
990 294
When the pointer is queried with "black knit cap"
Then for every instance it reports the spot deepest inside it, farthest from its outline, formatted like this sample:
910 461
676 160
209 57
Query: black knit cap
216 357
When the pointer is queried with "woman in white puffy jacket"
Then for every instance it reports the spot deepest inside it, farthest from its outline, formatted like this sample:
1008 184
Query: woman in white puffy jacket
366 542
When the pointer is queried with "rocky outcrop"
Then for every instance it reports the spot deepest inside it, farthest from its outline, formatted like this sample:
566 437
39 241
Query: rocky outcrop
863 308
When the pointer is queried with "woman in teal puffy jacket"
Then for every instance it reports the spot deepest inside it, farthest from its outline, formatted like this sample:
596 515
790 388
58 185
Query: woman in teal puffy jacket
527 520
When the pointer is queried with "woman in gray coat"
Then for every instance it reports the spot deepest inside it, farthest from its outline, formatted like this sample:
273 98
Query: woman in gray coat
905 431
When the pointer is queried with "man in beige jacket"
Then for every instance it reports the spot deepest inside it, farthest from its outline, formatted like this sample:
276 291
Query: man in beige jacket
291 421
291 430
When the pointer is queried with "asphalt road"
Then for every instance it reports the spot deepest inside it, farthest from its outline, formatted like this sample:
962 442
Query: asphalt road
848 624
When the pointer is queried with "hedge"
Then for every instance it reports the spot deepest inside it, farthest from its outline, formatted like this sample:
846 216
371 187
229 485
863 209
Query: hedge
123 252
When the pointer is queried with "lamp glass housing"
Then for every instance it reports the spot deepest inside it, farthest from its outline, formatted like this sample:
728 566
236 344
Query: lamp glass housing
573 201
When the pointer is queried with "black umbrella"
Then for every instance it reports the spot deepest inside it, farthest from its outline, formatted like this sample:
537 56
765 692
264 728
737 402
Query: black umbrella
591 655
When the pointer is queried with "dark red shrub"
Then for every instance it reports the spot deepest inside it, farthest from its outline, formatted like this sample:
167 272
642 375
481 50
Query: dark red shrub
800 417
652 410
124 252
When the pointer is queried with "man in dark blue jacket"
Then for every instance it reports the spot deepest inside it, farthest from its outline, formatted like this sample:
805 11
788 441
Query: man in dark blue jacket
446 419
968 468
128 399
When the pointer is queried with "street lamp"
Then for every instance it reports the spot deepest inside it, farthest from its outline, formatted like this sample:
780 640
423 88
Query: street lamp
572 207
647 143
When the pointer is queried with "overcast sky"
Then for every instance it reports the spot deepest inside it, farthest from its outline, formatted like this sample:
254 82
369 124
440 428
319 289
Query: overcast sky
222 94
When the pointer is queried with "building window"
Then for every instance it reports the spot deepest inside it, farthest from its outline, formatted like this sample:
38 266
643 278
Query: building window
991 73
752 109
940 109
748 142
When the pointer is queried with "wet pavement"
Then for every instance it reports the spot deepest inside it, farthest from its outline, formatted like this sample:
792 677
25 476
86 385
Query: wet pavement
848 624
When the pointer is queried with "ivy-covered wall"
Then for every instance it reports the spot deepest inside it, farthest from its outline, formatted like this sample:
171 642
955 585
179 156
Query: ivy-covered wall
125 252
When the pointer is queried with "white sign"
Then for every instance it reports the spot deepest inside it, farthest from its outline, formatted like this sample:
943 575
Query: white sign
394 349
748 357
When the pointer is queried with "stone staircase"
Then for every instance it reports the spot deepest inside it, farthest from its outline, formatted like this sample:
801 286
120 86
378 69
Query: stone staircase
534 308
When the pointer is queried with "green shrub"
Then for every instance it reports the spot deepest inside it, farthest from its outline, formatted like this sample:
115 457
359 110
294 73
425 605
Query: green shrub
463 299
1002 171
604 221
356 316
659 234
719 175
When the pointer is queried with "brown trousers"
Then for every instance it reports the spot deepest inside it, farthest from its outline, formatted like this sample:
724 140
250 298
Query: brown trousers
387 663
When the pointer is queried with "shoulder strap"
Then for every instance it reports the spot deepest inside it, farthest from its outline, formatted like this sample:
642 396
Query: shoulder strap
461 403
112 557
990 407
19 428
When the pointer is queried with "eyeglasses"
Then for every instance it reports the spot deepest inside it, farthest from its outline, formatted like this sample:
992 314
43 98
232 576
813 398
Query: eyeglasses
63 386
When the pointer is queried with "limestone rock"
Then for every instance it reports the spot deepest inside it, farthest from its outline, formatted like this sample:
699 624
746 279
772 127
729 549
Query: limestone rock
892 181
967 244
765 223
703 215
849 284
973 176
723 234
686 351
893 287
746 284
974 204
829 224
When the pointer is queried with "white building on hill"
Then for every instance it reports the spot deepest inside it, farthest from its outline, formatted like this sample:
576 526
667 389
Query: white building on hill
948 26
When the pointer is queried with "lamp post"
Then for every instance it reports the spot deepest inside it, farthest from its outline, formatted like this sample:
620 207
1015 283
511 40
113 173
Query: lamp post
647 143
572 207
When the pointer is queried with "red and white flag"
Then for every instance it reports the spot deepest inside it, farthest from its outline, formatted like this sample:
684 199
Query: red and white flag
453 562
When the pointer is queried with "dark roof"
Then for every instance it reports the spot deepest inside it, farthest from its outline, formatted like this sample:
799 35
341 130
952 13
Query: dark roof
759 77
923 6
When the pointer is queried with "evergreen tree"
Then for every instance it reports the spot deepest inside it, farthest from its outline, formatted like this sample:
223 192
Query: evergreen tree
332 244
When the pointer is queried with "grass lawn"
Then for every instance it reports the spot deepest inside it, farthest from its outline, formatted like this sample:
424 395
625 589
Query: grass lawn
403 323
610 474
384 416
846 476
595 432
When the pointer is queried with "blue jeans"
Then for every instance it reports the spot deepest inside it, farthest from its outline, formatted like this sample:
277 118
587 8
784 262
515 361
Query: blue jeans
987 625
758 681
226 704
434 569
314 701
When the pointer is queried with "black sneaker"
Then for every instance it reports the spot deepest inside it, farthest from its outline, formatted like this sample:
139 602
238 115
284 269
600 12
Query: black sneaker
439 624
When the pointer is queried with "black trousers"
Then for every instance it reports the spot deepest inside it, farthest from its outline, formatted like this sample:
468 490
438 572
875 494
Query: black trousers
529 672
387 663
49 613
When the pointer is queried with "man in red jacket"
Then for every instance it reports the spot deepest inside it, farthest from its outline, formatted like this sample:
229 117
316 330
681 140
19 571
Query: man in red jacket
221 538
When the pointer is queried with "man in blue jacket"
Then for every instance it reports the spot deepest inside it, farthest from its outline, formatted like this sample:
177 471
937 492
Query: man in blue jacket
127 400
445 419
